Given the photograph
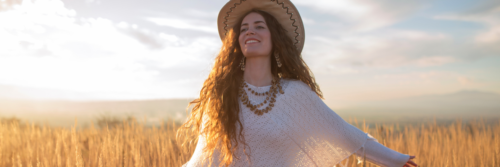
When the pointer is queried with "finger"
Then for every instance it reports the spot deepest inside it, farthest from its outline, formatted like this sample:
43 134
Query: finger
411 162
406 165
412 156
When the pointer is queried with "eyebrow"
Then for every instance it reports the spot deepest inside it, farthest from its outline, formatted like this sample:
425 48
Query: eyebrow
246 24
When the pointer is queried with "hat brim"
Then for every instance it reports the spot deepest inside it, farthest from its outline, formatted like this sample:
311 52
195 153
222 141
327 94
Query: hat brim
283 10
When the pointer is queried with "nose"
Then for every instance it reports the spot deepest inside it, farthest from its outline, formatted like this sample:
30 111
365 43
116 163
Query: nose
249 31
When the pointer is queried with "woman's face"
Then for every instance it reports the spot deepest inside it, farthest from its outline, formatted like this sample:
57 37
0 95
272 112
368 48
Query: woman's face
255 37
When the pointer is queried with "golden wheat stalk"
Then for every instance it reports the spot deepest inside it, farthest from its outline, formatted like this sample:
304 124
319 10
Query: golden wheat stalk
132 144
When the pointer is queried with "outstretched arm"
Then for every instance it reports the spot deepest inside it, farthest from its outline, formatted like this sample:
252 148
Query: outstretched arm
340 135
379 154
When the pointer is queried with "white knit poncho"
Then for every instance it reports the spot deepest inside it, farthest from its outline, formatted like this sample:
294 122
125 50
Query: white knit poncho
302 131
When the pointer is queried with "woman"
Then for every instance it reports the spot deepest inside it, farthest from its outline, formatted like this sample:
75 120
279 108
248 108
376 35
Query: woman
261 106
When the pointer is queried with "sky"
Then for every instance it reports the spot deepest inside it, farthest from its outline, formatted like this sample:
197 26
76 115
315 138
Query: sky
358 50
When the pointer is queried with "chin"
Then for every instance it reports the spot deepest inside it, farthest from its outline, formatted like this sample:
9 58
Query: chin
247 55
255 54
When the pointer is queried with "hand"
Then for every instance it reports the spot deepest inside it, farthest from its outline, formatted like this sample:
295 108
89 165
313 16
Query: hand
410 162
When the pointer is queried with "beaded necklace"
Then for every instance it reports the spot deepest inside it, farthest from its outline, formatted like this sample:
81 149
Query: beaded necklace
271 95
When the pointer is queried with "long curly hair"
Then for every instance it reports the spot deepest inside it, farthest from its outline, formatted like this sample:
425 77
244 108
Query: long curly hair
215 115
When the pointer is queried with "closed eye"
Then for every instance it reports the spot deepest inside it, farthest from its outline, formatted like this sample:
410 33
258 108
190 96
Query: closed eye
258 27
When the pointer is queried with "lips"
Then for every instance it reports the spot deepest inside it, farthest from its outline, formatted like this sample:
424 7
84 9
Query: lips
251 40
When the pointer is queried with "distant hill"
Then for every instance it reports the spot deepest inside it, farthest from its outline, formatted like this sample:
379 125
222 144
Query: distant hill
20 92
60 108
466 104
63 113
26 103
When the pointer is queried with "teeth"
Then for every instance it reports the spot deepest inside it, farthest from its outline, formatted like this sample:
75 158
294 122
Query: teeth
252 41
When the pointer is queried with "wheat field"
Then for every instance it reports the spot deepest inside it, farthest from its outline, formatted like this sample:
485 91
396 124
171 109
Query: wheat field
130 143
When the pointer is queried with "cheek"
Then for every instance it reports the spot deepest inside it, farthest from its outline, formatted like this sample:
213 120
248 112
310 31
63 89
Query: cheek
240 40
269 40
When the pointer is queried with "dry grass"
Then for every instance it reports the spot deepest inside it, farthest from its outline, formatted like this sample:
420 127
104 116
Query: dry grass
133 144
128 144
473 143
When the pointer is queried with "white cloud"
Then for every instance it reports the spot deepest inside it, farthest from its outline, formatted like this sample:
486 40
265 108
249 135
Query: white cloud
45 45
184 24
308 21
354 52
416 77
488 14
93 1
492 35
464 80
383 49
362 38
365 15
434 61
32 13
430 78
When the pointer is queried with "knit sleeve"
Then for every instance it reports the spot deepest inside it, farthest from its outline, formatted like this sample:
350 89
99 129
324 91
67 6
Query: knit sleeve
340 132
377 153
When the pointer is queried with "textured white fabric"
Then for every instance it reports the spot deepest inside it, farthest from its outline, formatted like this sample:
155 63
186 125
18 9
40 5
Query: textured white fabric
300 130
379 154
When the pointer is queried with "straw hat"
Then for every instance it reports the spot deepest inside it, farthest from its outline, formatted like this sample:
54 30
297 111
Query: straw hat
283 10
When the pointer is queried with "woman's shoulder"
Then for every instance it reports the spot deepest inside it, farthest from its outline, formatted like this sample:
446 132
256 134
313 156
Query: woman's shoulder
298 86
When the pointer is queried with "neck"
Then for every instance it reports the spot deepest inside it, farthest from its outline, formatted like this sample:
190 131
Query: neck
258 71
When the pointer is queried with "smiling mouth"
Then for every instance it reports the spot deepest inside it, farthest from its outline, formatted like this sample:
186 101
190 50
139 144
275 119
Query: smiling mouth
251 41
